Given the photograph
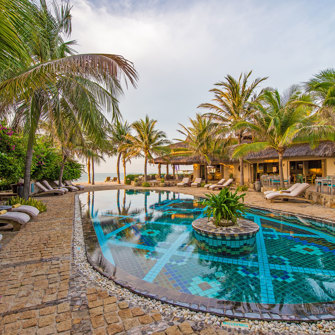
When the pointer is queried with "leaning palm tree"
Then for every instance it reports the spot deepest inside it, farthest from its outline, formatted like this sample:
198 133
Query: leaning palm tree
147 141
232 103
86 83
201 139
281 121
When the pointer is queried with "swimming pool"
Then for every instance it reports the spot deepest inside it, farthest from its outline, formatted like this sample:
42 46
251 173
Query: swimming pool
144 241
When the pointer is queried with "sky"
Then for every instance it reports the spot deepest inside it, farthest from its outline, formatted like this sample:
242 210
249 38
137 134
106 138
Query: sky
181 48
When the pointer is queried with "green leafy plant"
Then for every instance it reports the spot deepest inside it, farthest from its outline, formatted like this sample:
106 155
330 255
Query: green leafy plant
242 188
225 207
162 180
145 184
128 181
31 202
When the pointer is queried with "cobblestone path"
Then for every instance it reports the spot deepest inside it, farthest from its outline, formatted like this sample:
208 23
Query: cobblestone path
42 292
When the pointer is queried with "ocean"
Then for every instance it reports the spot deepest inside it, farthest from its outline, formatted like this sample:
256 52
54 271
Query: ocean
98 177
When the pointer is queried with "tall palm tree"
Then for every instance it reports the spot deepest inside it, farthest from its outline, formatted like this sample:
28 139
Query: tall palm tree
119 142
201 139
281 121
322 86
86 83
147 141
232 103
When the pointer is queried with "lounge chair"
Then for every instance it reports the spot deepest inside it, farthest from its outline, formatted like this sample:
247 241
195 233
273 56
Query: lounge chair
42 190
197 182
30 210
295 194
14 217
184 182
108 179
224 185
50 188
220 182
69 183
70 188
289 190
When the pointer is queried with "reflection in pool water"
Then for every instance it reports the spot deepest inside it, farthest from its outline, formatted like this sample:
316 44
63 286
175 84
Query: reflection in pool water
148 234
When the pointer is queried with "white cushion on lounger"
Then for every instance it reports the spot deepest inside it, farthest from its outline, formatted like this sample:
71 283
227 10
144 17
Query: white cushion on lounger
15 216
30 210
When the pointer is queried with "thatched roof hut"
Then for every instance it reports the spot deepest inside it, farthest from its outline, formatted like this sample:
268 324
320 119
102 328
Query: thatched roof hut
303 150
324 149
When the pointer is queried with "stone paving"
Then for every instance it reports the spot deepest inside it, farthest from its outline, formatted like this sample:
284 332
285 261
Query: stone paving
43 292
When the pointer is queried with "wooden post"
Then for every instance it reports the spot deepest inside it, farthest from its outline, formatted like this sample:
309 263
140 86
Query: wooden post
174 171
167 169
159 170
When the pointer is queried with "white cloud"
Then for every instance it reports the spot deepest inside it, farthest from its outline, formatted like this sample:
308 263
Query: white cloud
180 48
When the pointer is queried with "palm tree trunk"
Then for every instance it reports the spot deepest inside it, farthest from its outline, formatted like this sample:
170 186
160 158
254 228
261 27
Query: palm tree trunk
89 169
124 171
28 161
118 167
241 171
241 162
93 171
280 163
206 174
145 168
61 172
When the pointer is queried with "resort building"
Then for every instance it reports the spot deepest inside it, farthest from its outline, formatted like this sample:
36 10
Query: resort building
301 161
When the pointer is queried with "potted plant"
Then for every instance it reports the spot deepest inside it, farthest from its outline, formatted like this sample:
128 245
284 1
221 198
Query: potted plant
225 208
225 231
162 182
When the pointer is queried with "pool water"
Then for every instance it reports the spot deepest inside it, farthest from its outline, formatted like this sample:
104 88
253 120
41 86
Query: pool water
149 235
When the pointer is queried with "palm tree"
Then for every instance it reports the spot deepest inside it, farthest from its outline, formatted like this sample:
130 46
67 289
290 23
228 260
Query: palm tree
201 139
281 120
147 140
85 83
233 104
322 86
119 142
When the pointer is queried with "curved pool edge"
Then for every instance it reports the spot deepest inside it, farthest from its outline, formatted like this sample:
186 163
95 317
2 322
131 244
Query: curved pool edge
239 310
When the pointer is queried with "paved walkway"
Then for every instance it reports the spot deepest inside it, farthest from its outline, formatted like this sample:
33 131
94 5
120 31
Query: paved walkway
42 292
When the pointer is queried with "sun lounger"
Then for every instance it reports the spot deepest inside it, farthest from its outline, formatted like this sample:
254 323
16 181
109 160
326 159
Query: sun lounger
69 183
184 182
220 182
70 188
50 188
295 194
224 185
197 182
14 217
42 190
30 210
289 190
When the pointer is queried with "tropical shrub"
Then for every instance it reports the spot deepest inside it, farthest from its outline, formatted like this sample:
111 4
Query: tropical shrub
30 202
128 181
225 207
145 184
242 188
132 177
11 156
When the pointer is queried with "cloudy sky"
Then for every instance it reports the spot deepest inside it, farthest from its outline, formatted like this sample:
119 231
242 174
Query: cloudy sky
180 48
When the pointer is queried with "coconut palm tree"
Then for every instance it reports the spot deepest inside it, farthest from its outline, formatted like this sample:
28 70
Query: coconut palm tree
280 121
147 141
232 103
201 139
86 83
119 142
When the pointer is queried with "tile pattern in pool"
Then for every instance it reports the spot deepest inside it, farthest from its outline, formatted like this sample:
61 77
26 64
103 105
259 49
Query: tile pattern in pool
149 235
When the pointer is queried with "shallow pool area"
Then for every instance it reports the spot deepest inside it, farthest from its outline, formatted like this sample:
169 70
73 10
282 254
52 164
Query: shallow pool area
144 241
